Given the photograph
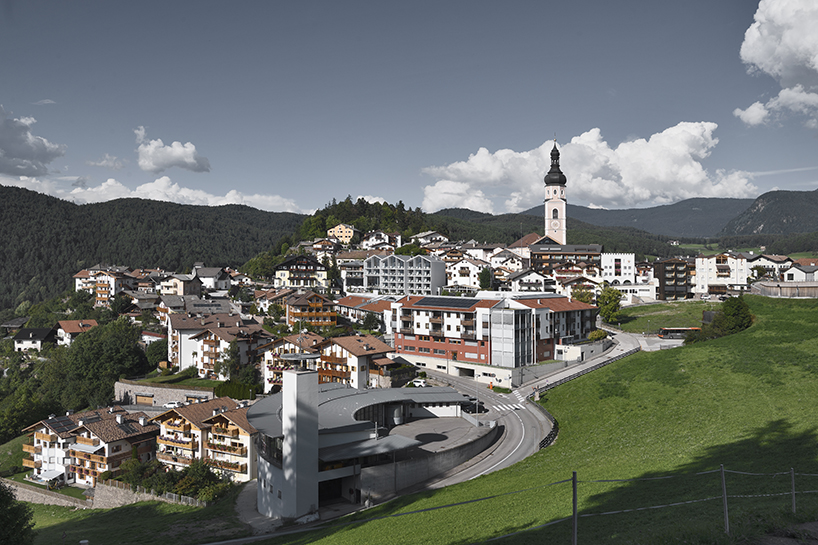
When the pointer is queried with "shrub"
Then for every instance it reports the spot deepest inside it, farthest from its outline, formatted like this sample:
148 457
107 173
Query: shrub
597 335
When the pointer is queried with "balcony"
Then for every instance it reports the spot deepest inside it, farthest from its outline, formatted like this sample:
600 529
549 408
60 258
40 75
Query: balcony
88 441
229 449
332 373
47 437
227 432
173 459
467 323
436 320
31 449
333 359
176 425
79 455
188 444
236 467
30 462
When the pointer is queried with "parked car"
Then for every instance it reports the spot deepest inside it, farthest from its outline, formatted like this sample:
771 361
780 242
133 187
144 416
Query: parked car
173 405
705 296
419 383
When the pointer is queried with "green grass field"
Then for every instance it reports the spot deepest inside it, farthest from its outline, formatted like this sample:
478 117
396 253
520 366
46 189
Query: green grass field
646 318
744 401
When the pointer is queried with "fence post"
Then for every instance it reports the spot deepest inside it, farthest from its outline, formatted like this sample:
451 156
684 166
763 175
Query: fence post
576 518
724 497
792 478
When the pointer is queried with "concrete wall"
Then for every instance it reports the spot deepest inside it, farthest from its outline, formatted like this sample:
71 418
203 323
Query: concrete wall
33 494
381 482
125 392
109 497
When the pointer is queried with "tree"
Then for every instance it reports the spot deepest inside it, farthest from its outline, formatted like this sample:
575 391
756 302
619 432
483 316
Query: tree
582 294
485 278
156 352
371 322
608 302
229 363
97 359
16 519
734 316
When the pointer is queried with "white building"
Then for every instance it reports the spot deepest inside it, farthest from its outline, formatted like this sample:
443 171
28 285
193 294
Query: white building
465 273
400 274
721 273
618 269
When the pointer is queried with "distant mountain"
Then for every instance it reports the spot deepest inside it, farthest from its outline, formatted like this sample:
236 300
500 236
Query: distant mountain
47 240
689 218
777 212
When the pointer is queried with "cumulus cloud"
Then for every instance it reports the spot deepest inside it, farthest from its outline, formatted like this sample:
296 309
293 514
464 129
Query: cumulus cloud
155 156
370 199
21 152
109 161
161 189
783 44
662 169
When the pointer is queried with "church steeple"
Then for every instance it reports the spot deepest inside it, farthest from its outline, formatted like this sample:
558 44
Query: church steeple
555 175
555 202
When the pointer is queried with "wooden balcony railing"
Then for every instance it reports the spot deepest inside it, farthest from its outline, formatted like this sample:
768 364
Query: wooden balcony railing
87 441
188 444
333 359
182 426
34 464
229 432
235 451
47 437
173 459
31 449
230 466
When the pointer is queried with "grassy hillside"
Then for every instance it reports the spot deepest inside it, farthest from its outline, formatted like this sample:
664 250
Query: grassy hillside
745 401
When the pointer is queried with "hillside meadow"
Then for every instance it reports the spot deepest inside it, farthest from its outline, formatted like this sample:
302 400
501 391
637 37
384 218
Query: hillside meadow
650 430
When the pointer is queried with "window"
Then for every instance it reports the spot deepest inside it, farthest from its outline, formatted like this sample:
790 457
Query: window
555 213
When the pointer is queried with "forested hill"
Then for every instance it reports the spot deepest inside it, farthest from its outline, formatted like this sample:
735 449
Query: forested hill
696 218
47 240
462 224
777 212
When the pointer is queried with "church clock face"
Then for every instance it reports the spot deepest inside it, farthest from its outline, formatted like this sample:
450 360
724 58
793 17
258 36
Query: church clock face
555 224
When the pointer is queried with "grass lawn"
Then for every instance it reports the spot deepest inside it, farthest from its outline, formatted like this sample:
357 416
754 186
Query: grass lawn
11 454
179 381
644 318
146 522
745 401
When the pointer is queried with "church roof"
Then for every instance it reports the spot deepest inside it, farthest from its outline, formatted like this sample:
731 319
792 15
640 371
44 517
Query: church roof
555 175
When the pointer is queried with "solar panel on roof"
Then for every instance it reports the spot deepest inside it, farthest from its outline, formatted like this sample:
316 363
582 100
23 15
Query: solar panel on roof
447 302
61 424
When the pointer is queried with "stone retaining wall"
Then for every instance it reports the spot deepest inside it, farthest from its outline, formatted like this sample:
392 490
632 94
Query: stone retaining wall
33 494
125 392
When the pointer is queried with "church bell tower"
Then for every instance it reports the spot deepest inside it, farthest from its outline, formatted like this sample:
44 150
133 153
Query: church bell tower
556 226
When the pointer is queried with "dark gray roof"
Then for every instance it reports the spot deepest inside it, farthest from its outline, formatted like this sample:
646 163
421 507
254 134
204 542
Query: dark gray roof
369 447
337 405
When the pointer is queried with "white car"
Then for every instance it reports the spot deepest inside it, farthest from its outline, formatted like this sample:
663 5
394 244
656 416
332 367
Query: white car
419 383
705 297
173 405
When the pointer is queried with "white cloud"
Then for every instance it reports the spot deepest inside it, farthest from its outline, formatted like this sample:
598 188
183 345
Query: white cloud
755 114
161 189
155 156
783 44
662 169
370 199
109 161
22 153
451 194
43 102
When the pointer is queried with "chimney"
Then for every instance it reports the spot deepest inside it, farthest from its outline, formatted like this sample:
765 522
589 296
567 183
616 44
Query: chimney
69 412
215 412
81 423
143 421
120 419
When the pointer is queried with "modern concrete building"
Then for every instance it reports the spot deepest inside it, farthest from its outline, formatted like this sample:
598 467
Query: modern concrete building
401 275
324 442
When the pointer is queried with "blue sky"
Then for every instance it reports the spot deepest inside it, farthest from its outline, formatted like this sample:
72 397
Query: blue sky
287 105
